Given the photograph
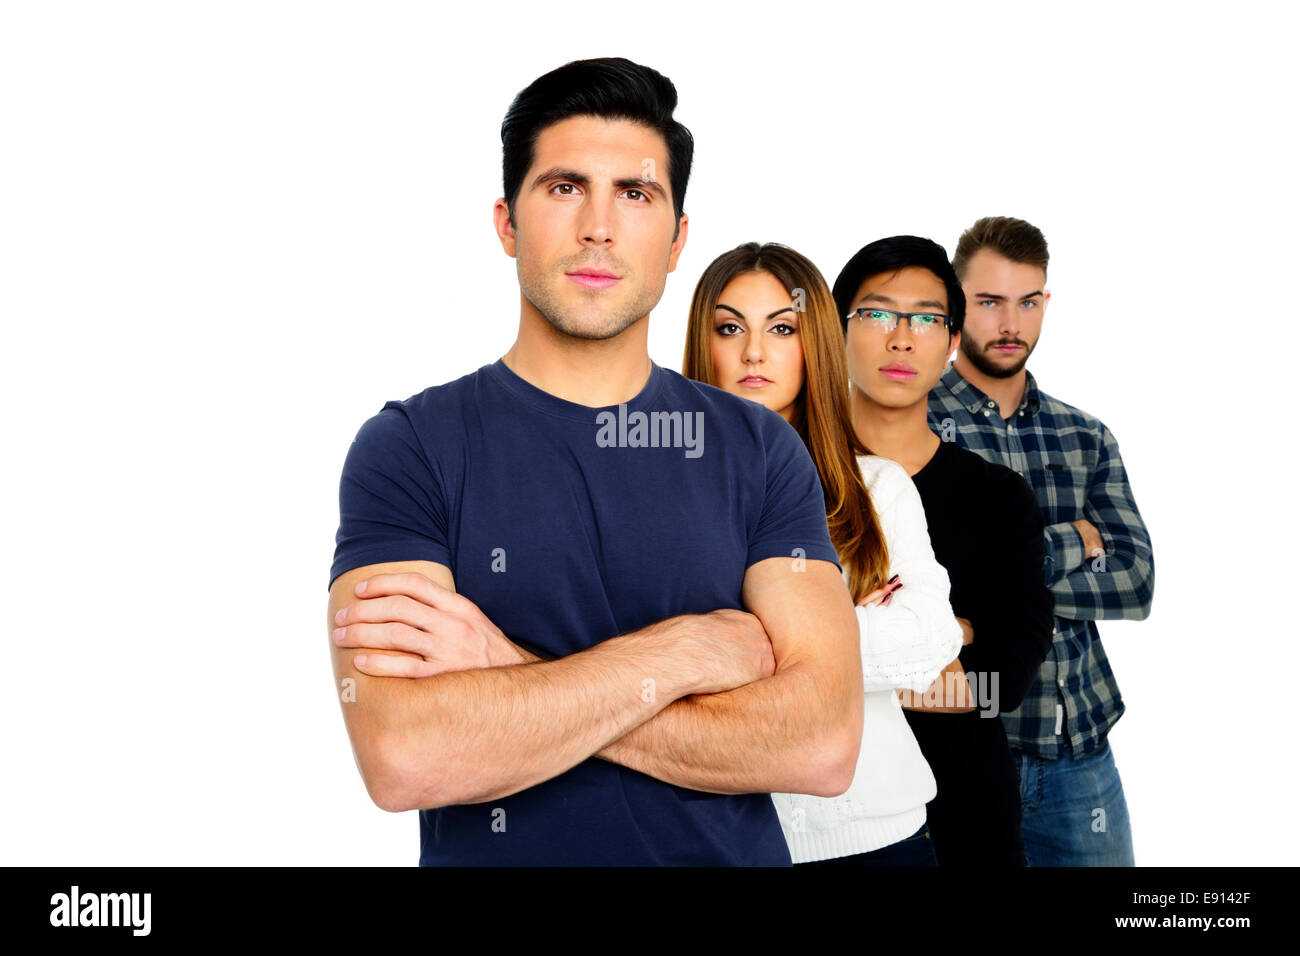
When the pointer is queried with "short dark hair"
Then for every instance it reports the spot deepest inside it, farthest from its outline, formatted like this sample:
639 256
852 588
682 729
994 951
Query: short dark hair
1012 239
892 255
610 87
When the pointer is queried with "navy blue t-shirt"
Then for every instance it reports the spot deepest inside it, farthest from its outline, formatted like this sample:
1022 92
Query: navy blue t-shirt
568 525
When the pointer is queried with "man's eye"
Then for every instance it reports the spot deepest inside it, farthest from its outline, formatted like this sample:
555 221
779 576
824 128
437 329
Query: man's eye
988 302
564 186
875 316
924 319
636 193
1029 304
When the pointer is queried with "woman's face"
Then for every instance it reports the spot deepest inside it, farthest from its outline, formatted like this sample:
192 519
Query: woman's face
755 342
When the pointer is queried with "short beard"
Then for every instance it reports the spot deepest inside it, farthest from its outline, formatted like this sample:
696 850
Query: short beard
975 355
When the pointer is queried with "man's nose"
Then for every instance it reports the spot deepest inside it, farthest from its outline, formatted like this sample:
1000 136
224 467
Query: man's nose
595 221
901 338
1009 320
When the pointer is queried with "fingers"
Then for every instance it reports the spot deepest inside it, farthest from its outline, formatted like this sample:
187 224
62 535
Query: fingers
397 608
384 665
386 636
882 595
414 586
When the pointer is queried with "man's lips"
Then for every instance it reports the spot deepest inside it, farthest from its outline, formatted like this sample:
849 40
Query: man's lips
898 373
593 278
1006 348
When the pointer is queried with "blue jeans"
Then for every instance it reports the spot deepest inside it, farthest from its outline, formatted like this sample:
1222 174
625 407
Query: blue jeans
1073 811
915 850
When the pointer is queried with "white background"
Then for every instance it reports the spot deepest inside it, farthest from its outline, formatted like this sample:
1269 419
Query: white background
230 231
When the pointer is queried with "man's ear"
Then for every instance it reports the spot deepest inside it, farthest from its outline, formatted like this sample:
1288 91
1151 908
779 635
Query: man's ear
504 227
954 343
676 249
1047 297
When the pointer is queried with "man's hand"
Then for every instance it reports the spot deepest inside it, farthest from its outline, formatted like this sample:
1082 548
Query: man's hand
1092 545
737 644
408 612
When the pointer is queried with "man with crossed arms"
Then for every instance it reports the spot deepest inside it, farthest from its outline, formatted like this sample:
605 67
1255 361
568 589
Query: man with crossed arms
656 715
1098 559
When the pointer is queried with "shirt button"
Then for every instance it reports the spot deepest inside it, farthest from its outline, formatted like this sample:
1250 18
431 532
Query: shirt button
1061 683
986 411
990 404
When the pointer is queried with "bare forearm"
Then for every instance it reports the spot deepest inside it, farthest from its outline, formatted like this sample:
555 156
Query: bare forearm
949 694
476 735
778 735
798 730
745 740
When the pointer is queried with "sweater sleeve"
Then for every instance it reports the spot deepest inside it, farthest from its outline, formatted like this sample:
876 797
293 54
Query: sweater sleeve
907 643
1014 625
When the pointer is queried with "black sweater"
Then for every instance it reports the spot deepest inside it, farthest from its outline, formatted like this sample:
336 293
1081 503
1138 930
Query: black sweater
987 531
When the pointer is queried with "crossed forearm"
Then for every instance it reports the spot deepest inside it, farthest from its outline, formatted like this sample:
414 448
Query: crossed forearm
770 736
475 735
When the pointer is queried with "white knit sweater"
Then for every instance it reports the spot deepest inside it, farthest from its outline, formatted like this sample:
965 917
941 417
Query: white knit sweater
906 644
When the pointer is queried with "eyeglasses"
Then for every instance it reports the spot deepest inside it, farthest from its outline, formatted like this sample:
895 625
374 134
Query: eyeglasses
886 320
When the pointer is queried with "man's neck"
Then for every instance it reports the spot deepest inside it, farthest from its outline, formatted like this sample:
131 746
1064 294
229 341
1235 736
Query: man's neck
591 372
1007 392
900 434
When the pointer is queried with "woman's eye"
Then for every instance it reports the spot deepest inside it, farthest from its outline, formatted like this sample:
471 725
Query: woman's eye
726 326
789 329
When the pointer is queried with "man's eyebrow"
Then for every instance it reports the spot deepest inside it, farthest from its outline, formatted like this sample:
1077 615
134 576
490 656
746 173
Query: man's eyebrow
877 297
740 315
581 179
555 172
636 182
1003 298
923 304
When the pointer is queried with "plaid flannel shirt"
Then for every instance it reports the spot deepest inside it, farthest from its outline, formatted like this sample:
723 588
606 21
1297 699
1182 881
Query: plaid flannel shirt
1072 461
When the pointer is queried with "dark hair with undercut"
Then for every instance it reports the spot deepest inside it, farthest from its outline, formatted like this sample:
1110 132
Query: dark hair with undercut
1012 239
612 88
893 255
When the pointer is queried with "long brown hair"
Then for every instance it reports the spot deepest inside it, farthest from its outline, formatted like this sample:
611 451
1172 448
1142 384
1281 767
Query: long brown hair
821 410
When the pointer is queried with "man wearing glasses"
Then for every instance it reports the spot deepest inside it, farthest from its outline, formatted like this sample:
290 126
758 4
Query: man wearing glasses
1097 551
902 309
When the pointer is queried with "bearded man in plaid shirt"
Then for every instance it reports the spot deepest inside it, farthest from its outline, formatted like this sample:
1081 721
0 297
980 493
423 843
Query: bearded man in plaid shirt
1098 553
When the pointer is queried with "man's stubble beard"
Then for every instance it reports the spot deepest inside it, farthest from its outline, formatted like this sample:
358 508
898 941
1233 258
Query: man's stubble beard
975 355
539 294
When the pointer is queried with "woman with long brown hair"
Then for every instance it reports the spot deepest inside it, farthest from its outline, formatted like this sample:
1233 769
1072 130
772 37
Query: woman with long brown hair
763 325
